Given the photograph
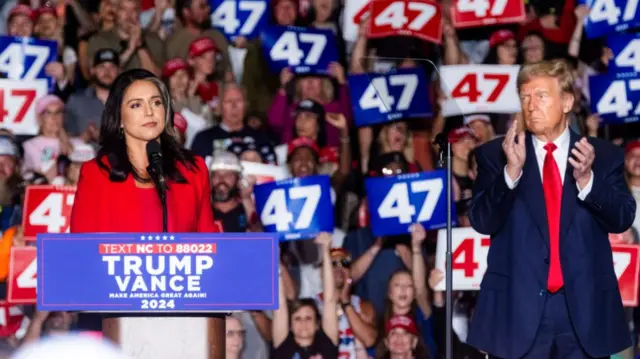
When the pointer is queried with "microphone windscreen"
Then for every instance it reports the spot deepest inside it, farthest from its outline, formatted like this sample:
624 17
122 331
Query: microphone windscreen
153 147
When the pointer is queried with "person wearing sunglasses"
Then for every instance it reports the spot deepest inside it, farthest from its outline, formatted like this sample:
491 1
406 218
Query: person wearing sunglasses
356 317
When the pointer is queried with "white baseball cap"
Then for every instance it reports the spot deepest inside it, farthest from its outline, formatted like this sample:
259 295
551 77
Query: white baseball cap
82 153
478 117
8 147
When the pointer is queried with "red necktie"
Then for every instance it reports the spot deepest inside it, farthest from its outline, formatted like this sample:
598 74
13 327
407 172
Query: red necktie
552 185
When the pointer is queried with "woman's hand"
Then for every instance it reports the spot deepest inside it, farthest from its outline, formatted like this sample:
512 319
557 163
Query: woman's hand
246 187
286 76
337 72
338 121
55 70
324 241
418 235
240 42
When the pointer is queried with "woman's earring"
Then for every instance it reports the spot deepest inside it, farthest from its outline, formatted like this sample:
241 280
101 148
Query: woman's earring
121 133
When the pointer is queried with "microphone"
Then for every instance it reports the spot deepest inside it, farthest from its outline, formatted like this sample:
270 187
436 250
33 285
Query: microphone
442 141
154 153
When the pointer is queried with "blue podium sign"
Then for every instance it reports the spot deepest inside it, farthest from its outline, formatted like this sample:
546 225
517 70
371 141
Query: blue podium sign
177 272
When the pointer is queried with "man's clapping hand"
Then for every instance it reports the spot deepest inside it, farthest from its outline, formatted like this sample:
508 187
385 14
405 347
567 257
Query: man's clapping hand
516 152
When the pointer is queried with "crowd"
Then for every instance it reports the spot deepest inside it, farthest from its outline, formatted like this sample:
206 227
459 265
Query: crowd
346 294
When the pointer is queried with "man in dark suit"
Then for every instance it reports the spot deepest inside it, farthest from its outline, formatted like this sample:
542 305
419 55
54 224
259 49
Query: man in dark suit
549 199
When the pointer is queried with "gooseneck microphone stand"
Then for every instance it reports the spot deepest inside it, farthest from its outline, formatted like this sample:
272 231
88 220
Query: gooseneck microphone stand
445 162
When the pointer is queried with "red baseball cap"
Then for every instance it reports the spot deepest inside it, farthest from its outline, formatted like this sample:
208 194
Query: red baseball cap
329 154
22 10
179 122
340 253
402 322
460 133
500 36
46 10
631 146
303 142
174 65
201 46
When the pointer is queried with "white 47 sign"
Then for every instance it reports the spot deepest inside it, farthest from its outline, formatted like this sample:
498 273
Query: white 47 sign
48 209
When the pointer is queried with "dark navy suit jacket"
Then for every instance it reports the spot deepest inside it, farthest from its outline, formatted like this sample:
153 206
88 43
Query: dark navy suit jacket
512 296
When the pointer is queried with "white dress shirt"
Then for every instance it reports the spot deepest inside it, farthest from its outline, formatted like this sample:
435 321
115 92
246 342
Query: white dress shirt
561 155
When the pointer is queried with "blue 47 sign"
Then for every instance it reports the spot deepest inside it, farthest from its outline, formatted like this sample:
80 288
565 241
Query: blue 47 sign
395 203
607 16
304 50
378 98
24 58
616 97
239 17
626 53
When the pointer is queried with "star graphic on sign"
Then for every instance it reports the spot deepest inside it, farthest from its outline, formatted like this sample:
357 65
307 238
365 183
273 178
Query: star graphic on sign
157 238
171 238
142 238
164 238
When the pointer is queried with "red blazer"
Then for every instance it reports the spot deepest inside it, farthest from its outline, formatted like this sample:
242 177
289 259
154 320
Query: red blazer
102 205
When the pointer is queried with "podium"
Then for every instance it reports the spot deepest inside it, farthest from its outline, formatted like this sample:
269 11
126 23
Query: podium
167 337
160 295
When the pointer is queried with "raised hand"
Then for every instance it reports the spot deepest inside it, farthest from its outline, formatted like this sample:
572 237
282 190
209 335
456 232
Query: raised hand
582 156
418 235
516 152
324 241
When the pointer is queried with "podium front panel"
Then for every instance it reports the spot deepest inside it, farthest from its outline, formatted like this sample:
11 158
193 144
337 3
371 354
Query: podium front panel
167 337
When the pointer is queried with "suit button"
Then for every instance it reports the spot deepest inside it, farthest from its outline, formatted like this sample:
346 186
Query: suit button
546 261
542 292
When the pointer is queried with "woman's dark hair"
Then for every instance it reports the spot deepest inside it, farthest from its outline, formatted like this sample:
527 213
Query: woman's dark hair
112 141
297 304
388 308
321 125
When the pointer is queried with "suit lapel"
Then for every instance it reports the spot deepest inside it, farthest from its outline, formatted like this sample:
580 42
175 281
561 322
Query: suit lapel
531 186
569 191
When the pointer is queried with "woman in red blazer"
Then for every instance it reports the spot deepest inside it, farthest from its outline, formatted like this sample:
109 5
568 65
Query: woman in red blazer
115 193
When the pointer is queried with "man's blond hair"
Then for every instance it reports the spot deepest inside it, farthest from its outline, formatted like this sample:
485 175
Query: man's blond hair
558 69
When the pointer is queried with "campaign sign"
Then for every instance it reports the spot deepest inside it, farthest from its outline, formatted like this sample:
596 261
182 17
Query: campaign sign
21 283
626 53
297 208
24 58
469 262
354 12
395 203
303 49
421 19
475 13
239 17
479 88
615 97
158 272
18 105
607 16
11 317
47 209
378 98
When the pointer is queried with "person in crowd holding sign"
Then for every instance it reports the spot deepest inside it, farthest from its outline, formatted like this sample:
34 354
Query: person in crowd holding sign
549 200
116 191
316 88
407 291
356 317
41 152
299 330
20 21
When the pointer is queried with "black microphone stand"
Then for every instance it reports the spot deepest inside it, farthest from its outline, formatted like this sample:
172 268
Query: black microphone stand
445 162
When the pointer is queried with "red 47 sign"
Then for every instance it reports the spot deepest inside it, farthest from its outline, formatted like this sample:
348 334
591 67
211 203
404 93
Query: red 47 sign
479 88
47 209
17 104
417 18
469 262
626 263
474 13
11 317
21 288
